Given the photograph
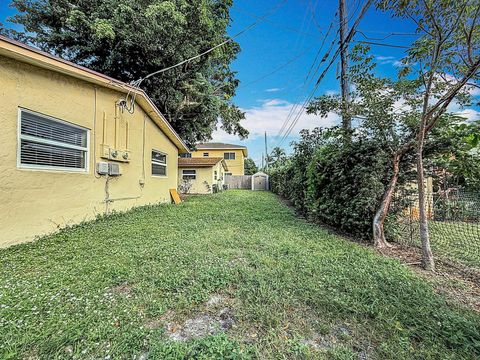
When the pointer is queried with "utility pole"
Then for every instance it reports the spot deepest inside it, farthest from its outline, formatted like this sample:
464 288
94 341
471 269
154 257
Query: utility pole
262 163
346 118
266 152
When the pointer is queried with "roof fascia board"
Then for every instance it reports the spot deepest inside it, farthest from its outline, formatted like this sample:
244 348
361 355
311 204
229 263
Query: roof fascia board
21 52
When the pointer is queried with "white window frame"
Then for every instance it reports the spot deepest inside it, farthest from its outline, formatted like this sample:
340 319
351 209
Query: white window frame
215 175
206 154
230 153
152 161
195 175
21 137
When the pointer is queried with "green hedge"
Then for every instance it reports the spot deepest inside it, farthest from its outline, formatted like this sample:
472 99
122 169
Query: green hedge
335 183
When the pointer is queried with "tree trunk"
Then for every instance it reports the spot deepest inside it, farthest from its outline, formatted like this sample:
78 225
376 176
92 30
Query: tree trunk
382 212
427 257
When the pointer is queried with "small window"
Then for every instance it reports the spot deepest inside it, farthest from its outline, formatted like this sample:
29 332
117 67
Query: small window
205 154
189 174
159 163
186 155
229 156
228 174
215 175
48 143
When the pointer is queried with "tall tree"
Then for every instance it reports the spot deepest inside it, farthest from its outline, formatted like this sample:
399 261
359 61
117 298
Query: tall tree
389 112
459 164
250 166
129 39
277 157
441 63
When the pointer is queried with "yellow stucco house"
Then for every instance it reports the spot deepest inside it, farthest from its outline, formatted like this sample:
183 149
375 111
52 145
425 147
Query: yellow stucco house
201 175
234 155
70 150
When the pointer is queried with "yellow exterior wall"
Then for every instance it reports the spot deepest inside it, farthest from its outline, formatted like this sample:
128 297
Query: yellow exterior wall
235 167
37 202
414 209
205 175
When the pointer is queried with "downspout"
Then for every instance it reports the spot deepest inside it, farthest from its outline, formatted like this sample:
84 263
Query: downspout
94 142
104 135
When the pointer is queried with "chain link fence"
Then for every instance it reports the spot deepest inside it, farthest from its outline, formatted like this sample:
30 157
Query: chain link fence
454 224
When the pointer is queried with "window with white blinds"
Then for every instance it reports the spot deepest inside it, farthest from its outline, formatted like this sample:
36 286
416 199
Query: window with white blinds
48 143
159 163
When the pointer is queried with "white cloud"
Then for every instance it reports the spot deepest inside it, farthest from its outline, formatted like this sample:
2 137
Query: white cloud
274 90
331 92
384 60
220 135
273 102
473 90
390 60
270 117
470 114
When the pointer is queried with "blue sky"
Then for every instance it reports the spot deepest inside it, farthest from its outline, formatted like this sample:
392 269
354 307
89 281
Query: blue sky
295 30
293 33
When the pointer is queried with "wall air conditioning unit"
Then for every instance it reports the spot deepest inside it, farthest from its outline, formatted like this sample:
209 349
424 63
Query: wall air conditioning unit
114 169
102 168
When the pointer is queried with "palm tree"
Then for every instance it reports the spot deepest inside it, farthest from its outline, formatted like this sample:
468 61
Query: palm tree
277 157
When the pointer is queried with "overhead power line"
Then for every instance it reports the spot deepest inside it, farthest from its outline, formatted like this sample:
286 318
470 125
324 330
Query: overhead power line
310 76
348 38
387 35
383 44
284 65
137 83
275 24
292 109
312 7
311 72
251 26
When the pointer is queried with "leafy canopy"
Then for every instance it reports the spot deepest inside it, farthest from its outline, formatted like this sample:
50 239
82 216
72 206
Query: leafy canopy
130 39
276 158
340 183
250 166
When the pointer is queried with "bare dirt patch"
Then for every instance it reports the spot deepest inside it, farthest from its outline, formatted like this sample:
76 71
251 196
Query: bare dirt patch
153 324
122 289
216 316
340 334
336 336
239 261
457 282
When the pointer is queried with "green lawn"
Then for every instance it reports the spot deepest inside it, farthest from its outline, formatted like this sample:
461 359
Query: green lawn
264 283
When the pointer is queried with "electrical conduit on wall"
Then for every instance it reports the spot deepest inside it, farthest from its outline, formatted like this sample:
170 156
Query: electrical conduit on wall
107 200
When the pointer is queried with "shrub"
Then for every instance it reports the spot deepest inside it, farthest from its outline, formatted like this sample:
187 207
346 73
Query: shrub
345 184
333 182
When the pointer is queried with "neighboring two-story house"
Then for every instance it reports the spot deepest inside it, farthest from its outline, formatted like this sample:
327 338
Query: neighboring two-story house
234 155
